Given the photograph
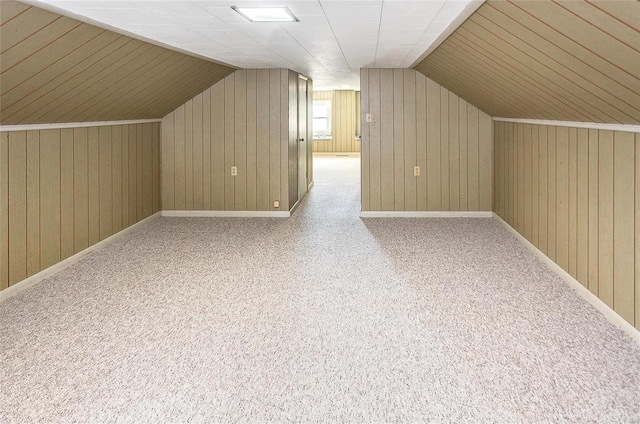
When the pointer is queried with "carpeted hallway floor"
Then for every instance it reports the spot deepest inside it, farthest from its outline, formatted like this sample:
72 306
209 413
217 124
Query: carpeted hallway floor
323 317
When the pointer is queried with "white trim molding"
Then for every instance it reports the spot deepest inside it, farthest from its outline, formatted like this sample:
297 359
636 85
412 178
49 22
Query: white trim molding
36 127
575 124
227 214
425 214
48 272
582 291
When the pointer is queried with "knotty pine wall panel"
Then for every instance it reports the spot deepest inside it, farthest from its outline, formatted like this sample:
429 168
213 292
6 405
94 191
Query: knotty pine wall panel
419 123
63 190
579 204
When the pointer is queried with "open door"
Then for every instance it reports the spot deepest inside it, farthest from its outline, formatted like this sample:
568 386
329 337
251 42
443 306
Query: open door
303 142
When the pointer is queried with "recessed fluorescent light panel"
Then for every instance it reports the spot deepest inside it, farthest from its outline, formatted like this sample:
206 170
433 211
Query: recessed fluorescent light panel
266 14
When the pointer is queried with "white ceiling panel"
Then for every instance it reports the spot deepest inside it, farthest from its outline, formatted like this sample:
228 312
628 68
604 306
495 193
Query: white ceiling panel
331 42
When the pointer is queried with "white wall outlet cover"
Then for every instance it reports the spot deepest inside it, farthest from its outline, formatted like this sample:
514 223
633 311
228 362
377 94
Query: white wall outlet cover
234 171
276 203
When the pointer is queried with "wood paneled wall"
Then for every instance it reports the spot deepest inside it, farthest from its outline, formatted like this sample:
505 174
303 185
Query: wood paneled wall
57 69
343 122
358 114
419 123
575 194
241 121
559 60
63 190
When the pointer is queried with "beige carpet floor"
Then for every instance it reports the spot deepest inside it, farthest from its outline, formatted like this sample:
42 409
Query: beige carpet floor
322 317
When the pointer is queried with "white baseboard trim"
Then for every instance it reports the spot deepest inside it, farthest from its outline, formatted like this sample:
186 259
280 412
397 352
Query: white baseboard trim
48 272
294 207
309 187
425 214
227 214
602 307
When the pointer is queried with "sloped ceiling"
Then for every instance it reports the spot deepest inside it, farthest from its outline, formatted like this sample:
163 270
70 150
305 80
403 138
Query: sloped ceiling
56 69
560 60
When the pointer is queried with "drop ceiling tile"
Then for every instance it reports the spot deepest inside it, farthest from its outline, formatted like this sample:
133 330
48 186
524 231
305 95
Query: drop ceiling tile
333 39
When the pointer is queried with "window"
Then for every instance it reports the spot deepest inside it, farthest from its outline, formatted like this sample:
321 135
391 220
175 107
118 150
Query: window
322 117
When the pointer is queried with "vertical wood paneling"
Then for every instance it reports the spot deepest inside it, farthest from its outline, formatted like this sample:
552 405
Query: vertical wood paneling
582 223
106 200
398 141
434 185
387 144
197 124
594 176
637 233
417 123
464 157
375 134
543 173
140 171
605 219
454 152
4 210
168 162
240 134
217 147
179 158
206 149
274 135
624 224
242 121
132 147
229 141
473 146
116 177
252 140
535 181
81 189
587 206
49 198
155 154
573 202
421 142
410 139
33 202
562 197
67 247
124 133
444 148
552 200
18 207
62 191
364 132
527 194
147 170
263 145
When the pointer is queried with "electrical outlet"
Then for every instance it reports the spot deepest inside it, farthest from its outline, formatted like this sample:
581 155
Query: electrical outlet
234 171
369 117
276 204
416 171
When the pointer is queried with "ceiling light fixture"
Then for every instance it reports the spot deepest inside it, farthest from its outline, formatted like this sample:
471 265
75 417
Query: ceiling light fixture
266 14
